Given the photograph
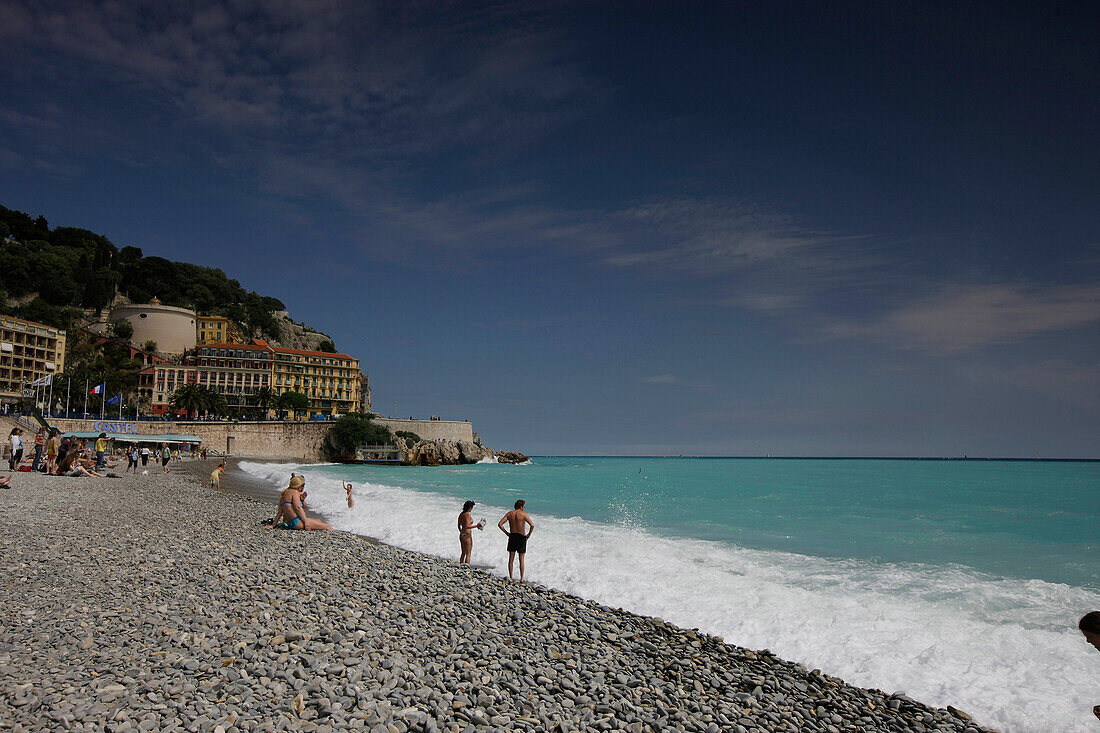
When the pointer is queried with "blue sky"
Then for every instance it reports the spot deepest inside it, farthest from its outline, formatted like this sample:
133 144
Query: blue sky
785 228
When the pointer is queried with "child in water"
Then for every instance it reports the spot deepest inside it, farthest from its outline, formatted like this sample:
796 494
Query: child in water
347 488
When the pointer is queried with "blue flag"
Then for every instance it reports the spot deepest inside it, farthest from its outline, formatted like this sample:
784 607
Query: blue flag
117 399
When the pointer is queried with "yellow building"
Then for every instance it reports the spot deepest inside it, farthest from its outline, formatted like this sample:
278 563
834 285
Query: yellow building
28 351
217 330
330 381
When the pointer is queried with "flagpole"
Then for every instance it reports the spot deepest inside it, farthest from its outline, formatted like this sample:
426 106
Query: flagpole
85 399
68 386
102 397
120 407
49 403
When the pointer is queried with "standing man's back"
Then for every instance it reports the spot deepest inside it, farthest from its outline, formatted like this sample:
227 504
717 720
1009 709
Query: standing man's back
518 521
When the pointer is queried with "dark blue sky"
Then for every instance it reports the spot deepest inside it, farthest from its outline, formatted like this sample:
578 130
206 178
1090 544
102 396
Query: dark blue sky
786 228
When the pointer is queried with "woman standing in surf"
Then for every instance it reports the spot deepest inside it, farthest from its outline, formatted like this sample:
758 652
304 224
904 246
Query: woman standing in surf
465 536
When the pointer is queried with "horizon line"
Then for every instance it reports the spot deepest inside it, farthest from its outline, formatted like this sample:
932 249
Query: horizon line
831 458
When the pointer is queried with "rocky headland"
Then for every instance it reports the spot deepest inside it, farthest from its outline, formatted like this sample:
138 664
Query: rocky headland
458 452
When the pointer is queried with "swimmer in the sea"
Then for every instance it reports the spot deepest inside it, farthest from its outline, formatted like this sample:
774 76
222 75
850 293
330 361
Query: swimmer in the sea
347 488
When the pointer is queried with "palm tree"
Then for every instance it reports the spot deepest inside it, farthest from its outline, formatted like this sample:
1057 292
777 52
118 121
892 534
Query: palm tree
191 398
214 401
264 398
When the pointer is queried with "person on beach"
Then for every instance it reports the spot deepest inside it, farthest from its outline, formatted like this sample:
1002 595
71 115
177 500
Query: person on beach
1090 627
465 535
100 450
132 458
53 448
63 448
347 488
145 452
291 512
165 456
5 482
74 465
216 477
16 456
517 520
39 448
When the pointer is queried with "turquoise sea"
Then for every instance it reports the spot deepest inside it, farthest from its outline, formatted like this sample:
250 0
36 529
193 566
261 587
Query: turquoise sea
959 582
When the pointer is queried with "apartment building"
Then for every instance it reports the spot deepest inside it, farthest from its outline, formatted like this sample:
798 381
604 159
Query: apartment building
217 330
163 380
236 371
330 381
28 351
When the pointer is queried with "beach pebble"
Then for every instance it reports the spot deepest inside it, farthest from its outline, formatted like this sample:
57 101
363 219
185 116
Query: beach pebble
122 617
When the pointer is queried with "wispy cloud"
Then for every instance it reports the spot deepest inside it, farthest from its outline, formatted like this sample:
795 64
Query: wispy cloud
1069 382
964 317
671 380
362 105
345 82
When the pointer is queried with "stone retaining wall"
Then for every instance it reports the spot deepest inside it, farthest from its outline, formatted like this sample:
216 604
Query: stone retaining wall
432 429
298 440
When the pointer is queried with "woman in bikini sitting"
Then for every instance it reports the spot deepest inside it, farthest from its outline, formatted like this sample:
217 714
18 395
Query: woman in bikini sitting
292 512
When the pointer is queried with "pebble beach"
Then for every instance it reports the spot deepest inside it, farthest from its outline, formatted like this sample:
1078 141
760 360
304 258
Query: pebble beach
149 603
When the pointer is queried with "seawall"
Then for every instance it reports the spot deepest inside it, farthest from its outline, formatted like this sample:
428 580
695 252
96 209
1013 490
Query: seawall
294 440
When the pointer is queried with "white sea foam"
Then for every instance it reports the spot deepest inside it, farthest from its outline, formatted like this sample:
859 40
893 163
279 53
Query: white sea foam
1007 651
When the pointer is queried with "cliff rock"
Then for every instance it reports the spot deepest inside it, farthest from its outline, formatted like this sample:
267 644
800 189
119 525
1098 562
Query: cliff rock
447 453
508 456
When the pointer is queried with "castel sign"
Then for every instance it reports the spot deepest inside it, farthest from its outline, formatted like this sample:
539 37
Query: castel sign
115 427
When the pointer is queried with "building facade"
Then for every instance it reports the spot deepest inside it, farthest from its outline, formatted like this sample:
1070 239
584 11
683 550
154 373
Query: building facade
28 351
236 371
217 330
164 379
330 381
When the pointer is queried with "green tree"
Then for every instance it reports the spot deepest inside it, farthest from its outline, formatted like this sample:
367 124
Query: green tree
189 398
149 345
215 403
122 329
352 431
293 401
264 398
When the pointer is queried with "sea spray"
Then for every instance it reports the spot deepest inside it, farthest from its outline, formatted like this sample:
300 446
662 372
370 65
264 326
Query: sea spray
1003 649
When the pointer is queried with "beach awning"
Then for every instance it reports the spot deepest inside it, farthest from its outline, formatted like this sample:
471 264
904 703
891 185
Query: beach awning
139 438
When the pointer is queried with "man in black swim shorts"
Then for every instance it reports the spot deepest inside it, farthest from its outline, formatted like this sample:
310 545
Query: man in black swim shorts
518 521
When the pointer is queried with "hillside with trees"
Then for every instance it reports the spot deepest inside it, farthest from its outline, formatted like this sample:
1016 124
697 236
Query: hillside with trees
51 275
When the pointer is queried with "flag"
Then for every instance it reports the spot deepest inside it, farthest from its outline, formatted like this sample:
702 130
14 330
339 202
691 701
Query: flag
98 389
48 379
116 400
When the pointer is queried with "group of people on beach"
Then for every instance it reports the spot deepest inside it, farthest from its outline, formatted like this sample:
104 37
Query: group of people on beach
61 455
520 527
290 513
